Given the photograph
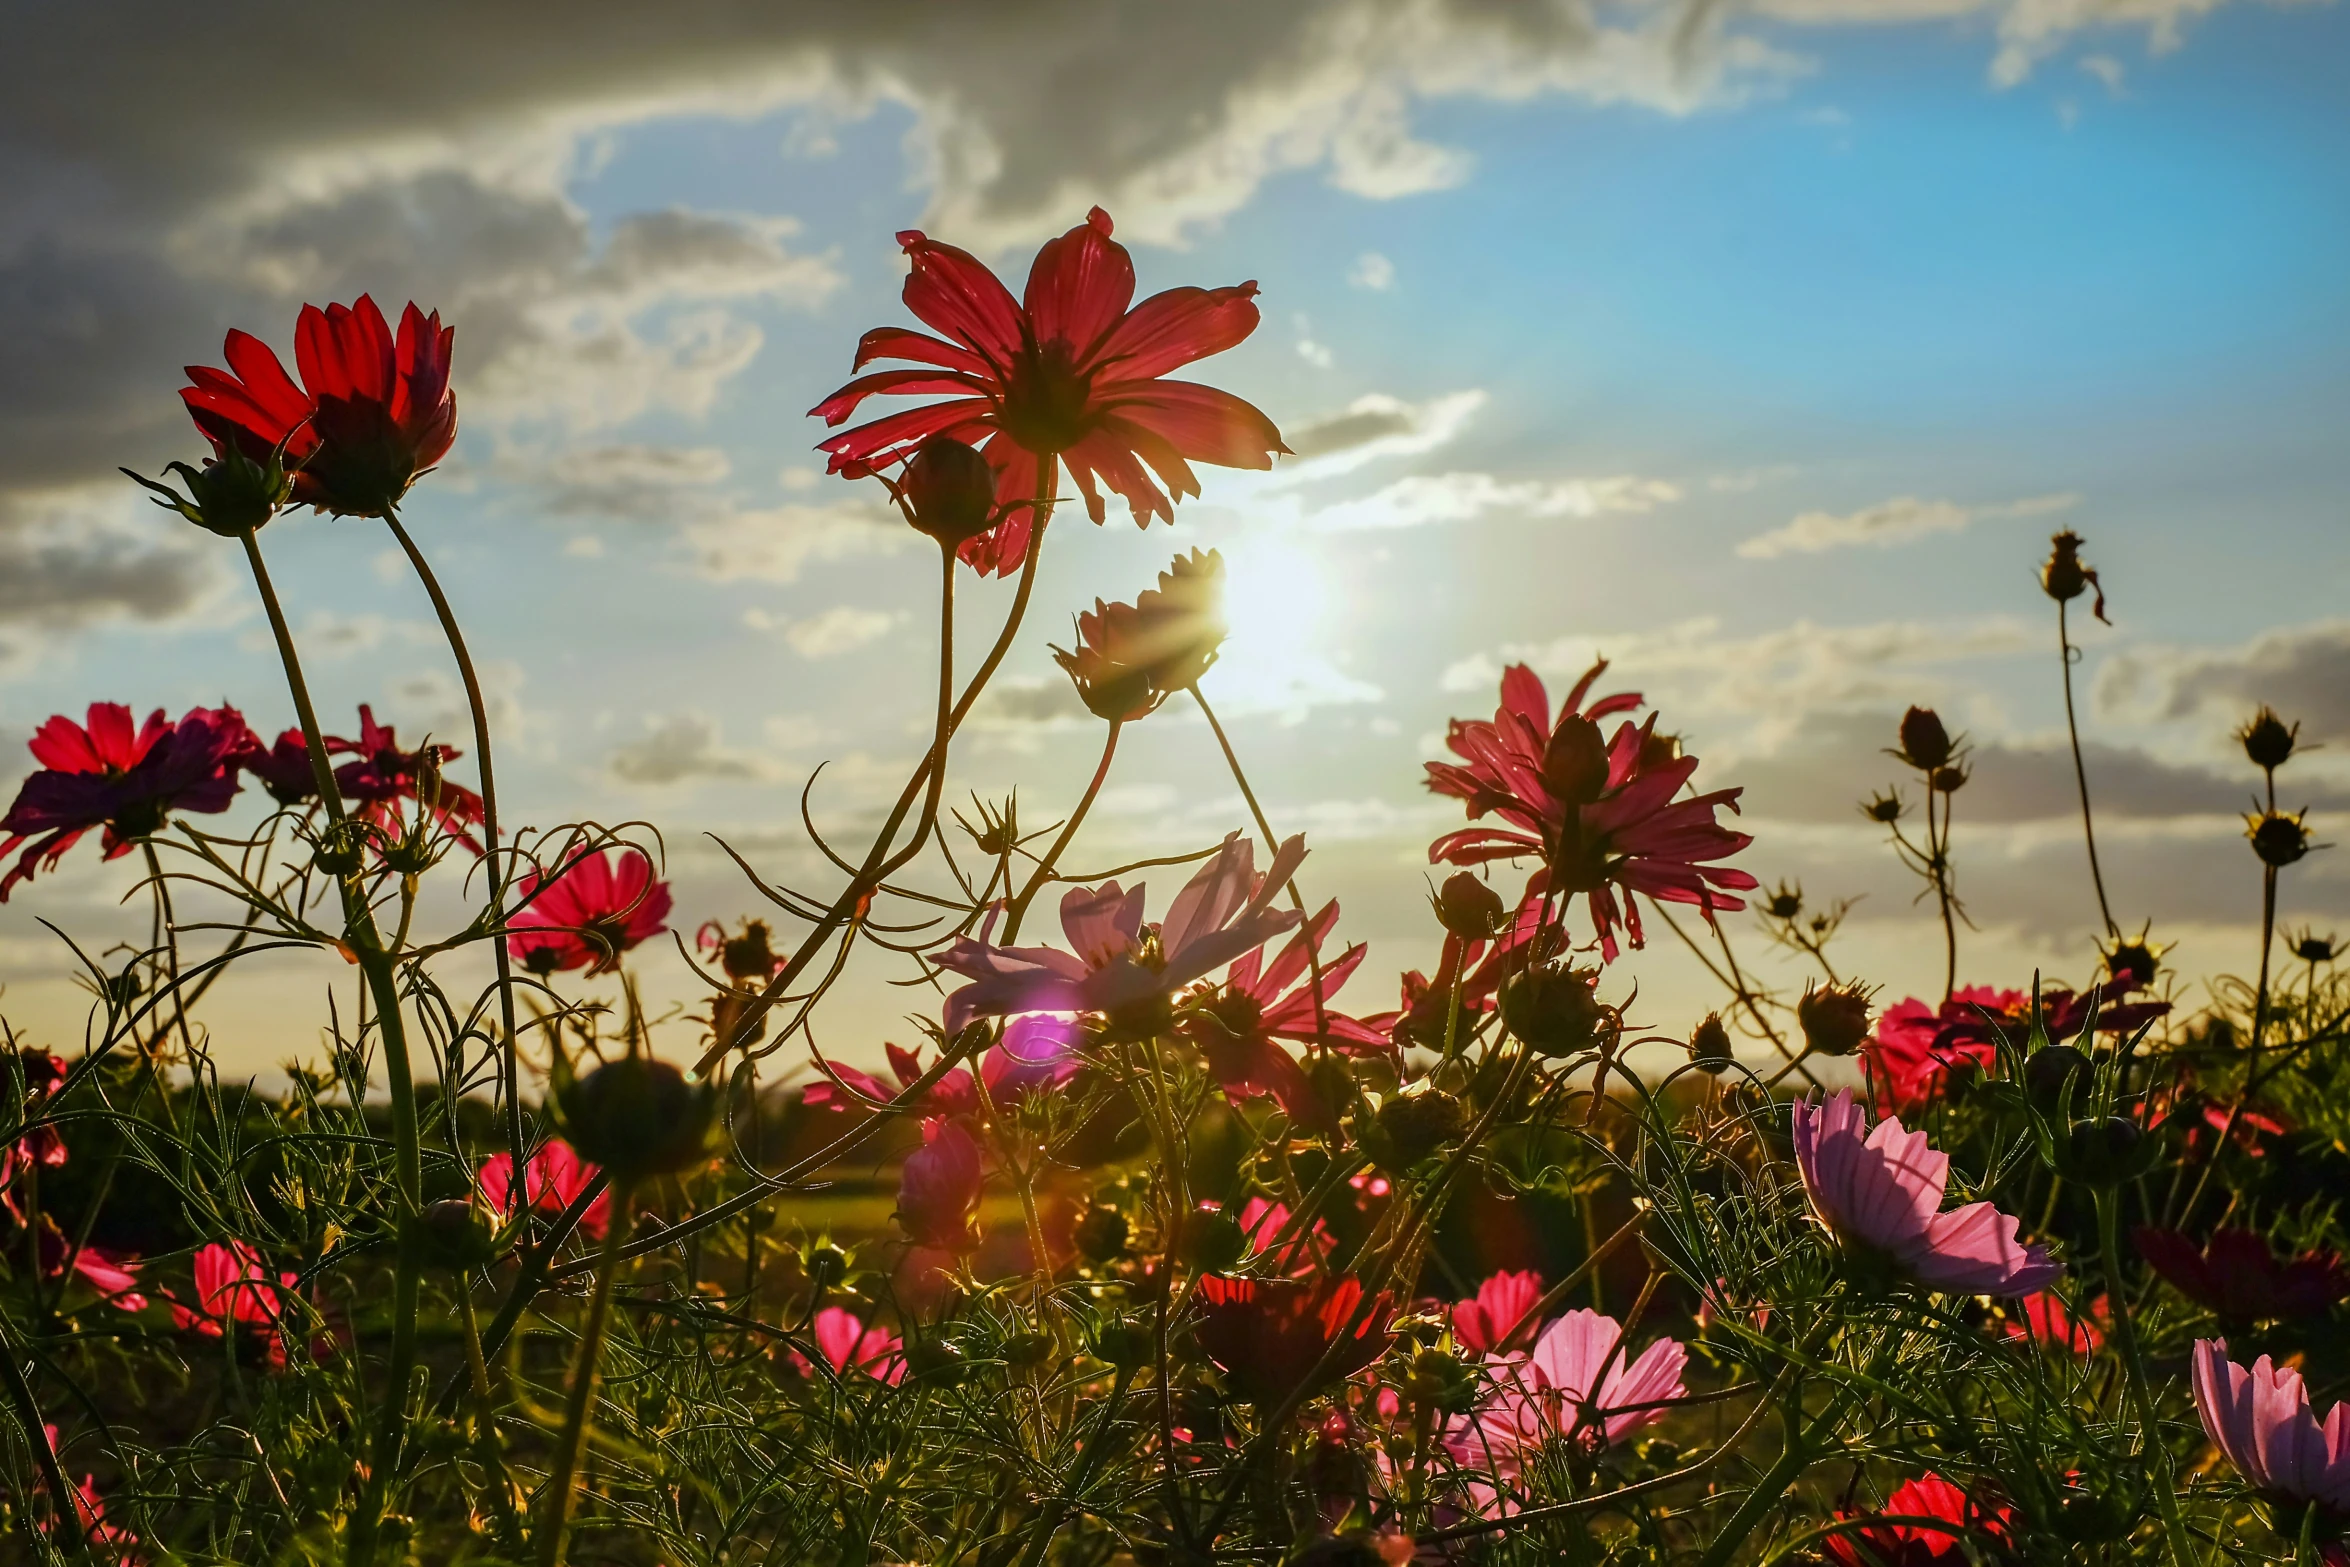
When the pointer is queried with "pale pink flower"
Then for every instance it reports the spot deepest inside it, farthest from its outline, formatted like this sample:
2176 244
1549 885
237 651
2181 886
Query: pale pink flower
1482 1322
2263 1421
1223 912
1882 1188
850 1344
1579 1381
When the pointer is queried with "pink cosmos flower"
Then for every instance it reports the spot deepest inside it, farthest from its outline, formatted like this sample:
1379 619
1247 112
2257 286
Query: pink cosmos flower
845 1340
1887 1544
1882 1189
952 1094
1222 912
385 775
1239 1025
1036 1053
1067 373
127 781
113 1274
110 1541
1265 1224
2262 1420
1917 1045
938 1190
1483 1321
1580 1381
1477 968
551 1183
1601 814
598 907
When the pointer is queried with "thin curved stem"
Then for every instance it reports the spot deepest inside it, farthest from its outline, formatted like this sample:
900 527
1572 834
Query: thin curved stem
1044 867
322 772
64 1500
2157 1451
1272 846
555 1533
511 1065
2067 653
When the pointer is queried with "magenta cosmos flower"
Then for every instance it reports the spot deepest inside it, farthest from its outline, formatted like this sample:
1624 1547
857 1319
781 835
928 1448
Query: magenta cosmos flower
1580 1381
1484 1322
1067 372
586 917
1239 1026
551 1183
1882 1188
128 781
1119 964
2262 1420
2237 1278
1035 1053
1600 813
938 1189
373 411
849 1343
384 775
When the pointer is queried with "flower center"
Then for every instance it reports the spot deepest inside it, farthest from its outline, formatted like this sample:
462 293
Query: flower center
1047 399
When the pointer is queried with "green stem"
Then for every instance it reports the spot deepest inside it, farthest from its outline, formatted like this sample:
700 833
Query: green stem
1775 1480
1044 867
511 1064
2066 651
1050 1522
554 1534
64 1500
2158 1456
1297 899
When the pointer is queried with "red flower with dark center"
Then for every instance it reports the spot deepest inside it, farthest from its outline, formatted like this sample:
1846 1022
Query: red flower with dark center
372 414
2236 1277
384 775
1601 813
1066 374
587 916
125 780
1885 1543
1269 1335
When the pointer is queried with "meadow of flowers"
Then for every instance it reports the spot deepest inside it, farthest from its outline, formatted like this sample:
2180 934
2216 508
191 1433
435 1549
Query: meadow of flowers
1162 1242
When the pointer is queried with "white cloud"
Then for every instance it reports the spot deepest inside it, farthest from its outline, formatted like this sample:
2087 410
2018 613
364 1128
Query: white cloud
680 749
1897 521
840 629
1372 271
1370 429
1465 497
776 544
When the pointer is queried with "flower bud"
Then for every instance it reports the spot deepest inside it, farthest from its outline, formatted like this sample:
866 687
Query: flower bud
1835 1018
1949 779
1467 908
1885 807
950 491
934 1362
2108 1152
637 1117
2064 578
1124 1342
1213 1239
2277 838
2268 740
231 496
1786 903
1101 1233
1709 1046
2048 1074
1029 1348
1575 763
1925 744
1556 1009
1440 1382
456 1234
825 1263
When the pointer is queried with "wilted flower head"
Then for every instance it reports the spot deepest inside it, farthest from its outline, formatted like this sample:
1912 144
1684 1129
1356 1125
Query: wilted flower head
1710 1048
2064 578
588 914
2280 838
1068 375
2238 1278
1882 1188
1925 744
2263 1421
2267 739
127 781
372 414
1602 813
1834 1018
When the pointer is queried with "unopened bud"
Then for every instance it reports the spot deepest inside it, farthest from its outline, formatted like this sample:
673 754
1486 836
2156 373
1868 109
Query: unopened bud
825 1264
2268 740
2064 578
1575 763
950 491
456 1234
1949 779
1124 1342
1556 1009
636 1117
1709 1045
1101 1233
1467 908
2277 838
231 496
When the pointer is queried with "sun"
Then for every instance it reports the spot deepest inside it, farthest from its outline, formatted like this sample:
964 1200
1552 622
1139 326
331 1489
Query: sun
1282 611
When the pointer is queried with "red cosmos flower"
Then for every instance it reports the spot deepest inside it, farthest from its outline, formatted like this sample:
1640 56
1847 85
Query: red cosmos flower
233 1287
1917 1045
124 780
2238 1278
1889 1544
1600 813
551 1182
2044 1318
110 1542
938 1190
384 775
1238 1026
597 908
1502 1303
372 414
1269 1335
1067 372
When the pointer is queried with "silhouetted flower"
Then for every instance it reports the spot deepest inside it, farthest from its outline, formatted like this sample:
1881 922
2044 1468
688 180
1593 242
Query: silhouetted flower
2267 739
1925 744
1882 1188
373 411
2280 838
938 1189
106 774
594 910
1067 373
2238 1278
1238 1026
384 775
2064 577
1270 1335
283 768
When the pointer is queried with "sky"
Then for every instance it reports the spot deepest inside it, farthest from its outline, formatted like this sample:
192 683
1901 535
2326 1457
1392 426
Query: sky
1758 350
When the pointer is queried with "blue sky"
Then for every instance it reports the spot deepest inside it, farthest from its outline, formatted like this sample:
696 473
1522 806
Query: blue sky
1857 291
